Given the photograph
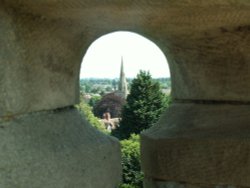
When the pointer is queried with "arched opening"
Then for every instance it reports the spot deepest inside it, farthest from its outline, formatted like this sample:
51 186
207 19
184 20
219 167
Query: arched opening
202 143
138 53
124 60
101 66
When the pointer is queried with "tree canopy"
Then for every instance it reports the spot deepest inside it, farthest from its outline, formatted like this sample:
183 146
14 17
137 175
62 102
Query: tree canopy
131 165
85 109
109 103
144 106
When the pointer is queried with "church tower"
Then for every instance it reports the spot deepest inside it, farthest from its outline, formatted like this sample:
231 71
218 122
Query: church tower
123 88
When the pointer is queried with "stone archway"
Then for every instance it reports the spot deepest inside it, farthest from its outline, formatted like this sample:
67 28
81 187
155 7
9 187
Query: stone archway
207 48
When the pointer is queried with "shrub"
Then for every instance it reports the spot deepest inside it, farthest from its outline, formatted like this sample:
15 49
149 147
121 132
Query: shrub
127 186
132 175
94 121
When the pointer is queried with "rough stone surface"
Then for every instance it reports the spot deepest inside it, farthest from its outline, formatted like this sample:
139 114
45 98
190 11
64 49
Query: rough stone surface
200 144
56 149
43 43
161 184
207 46
37 61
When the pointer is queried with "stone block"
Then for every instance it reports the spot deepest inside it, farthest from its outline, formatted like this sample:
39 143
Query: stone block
169 184
57 149
200 144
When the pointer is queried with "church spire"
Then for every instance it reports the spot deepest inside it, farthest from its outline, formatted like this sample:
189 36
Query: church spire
123 83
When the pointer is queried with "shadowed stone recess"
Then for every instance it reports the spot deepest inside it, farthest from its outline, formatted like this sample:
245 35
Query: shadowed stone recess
56 149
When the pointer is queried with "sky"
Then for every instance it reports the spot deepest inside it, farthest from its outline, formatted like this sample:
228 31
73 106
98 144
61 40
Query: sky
103 57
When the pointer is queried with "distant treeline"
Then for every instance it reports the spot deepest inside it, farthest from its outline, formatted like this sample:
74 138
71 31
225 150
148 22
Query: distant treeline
88 83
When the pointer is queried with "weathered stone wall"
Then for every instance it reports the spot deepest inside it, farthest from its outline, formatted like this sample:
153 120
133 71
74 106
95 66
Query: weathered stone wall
208 145
159 184
40 58
45 142
56 149
203 139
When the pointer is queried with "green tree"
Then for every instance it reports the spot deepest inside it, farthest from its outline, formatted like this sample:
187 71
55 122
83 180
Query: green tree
132 175
144 106
94 100
85 109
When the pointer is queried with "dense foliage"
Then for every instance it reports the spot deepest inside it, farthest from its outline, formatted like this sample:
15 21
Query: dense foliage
132 175
94 100
144 106
94 121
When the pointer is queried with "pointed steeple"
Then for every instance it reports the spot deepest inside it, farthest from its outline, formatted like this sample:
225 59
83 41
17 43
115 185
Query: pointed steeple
123 83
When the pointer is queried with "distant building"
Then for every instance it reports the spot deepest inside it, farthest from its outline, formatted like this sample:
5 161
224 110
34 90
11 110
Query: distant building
109 123
123 85
113 102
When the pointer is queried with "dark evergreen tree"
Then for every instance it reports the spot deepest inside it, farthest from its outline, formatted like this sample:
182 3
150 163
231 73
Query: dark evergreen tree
144 106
